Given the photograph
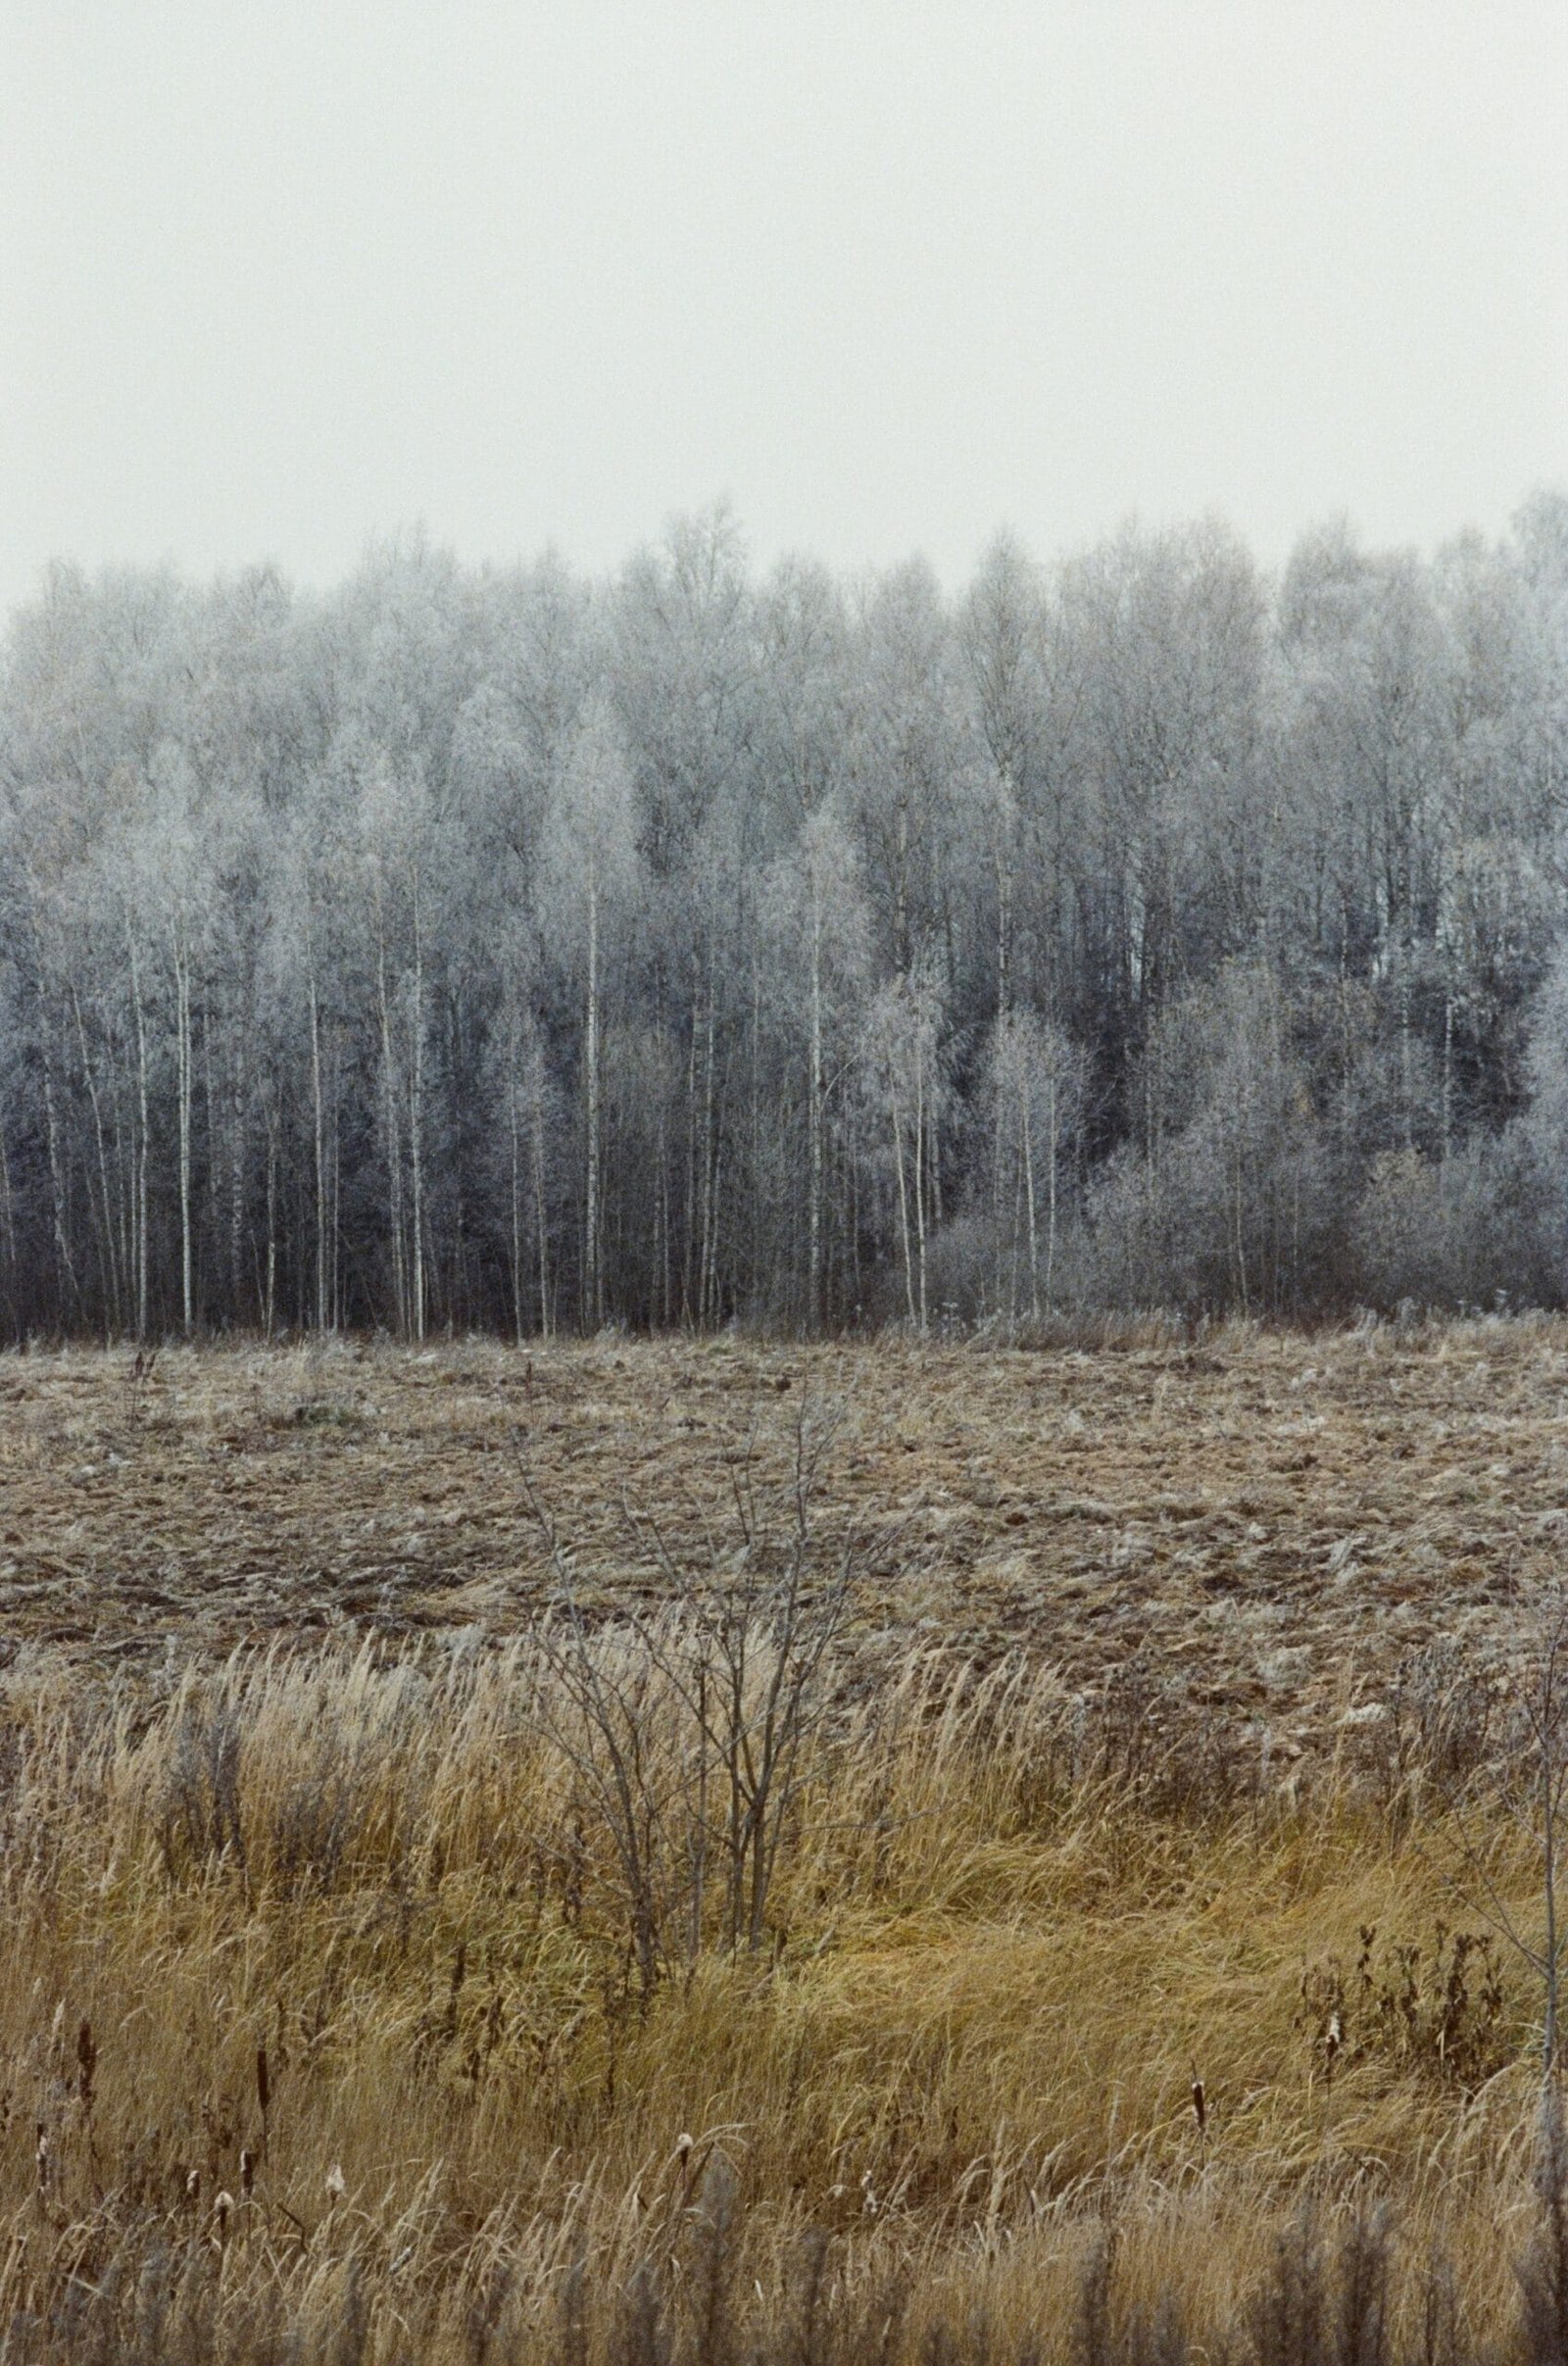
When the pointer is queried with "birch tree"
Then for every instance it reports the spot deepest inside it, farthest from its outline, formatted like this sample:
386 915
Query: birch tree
393 845
816 917
1036 1087
904 1078
589 868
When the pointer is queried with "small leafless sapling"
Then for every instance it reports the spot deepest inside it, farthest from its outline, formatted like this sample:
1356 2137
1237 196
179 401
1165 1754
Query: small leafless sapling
690 1727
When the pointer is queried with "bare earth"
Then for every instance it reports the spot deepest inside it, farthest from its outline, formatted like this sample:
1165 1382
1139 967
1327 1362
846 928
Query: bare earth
1273 1523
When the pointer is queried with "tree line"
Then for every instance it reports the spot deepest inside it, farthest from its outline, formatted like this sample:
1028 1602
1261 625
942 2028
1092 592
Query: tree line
501 949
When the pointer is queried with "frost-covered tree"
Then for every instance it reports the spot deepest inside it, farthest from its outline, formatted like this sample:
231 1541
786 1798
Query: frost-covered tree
1035 1094
500 948
904 1077
589 871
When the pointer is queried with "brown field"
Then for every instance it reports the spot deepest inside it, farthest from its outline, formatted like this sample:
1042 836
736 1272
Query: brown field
1268 1522
319 2030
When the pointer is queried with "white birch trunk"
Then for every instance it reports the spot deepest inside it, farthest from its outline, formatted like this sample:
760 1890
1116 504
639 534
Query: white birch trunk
593 1291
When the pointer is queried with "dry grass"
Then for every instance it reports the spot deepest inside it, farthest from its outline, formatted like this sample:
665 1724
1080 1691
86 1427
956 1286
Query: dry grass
1273 1519
970 2047
1025 1899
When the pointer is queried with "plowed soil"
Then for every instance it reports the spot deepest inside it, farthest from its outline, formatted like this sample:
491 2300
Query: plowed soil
1274 1524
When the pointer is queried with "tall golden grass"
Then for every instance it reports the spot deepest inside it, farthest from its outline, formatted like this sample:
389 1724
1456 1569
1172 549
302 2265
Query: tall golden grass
321 2033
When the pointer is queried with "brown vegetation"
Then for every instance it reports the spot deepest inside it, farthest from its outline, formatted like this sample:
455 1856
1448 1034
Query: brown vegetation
1269 1522
335 2012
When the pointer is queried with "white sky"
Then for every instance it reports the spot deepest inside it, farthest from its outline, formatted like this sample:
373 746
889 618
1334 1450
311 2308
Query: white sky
276 277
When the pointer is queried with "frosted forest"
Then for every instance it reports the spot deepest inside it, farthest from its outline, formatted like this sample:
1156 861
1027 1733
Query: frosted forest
510 951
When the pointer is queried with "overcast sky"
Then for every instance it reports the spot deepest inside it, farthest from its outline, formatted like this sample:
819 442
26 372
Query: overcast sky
275 278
